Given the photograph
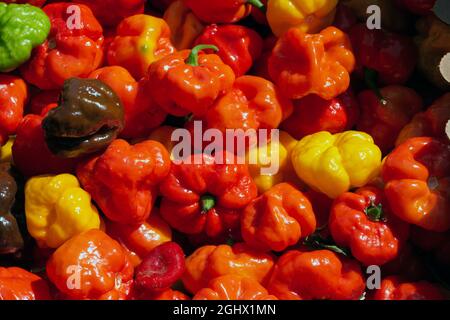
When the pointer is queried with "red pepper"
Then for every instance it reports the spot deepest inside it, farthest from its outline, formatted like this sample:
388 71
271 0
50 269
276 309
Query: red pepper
421 7
207 197
362 221
384 113
392 56
313 114
436 242
161 268
392 288
408 263
30 144
68 51
123 180
238 46
19 284
42 99
260 67
13 96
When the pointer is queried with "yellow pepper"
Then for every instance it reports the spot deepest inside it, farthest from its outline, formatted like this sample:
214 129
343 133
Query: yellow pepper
332 164
258 158
57 209
185 27
5 151
310 16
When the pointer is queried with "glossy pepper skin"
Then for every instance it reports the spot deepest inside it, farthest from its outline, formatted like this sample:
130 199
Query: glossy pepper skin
19 284
58 209
274 153
140 239
111 12
430 123
123 180
361 221
252 103
68 52
140 40
24 27
10 237
238 46
88 118
233 287
209 262
417 181
188 82
384 118
320 274
103 267
433 43
332 164
320 63
393 288
392 56
30 144
221 11
185 27
310 16
13 97
205 195
277 219
141 112
313 114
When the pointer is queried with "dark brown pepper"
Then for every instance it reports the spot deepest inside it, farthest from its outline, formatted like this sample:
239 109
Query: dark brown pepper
88 118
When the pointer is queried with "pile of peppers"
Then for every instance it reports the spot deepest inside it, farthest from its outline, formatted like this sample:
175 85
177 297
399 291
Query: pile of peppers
94 206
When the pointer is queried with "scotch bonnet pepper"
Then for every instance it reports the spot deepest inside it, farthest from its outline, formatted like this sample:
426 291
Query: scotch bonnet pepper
140 40
19 284
58 209
123 180
277 219
320 274
310 16
205 195
186 82
332 164
394 288
417 182
68 51
222 11
13 97
363 222
10 237
103 269
209 262
23 27
238 46
88 118
320 63
233 287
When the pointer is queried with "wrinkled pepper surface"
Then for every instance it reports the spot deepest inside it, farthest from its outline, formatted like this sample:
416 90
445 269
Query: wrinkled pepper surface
393 288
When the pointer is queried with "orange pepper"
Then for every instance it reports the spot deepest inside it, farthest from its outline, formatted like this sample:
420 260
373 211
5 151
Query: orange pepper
253 103
209 262
141 112
19 284
277 219
91 265
320 63
233 287
186 82
140 239
140 40
168 294
320 274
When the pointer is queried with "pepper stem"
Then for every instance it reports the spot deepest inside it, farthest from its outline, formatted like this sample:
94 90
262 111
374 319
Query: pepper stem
371 77
257 3
207 202
193 57
374 212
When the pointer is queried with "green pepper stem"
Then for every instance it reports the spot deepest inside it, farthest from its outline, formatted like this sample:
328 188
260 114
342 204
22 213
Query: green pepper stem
207 202
371 77
192 60
258 4
375 212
